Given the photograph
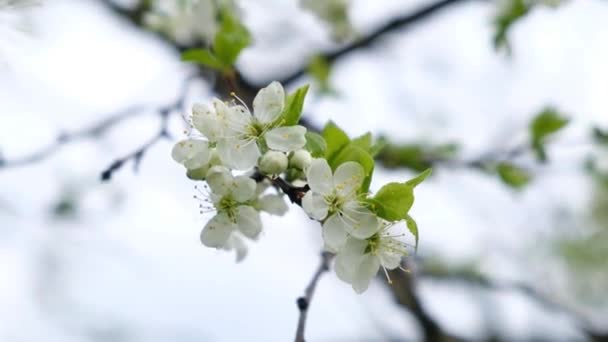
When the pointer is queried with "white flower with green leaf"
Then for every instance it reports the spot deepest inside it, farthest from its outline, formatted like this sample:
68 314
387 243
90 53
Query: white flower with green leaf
198 152
360 259
246 136
335 200
231 198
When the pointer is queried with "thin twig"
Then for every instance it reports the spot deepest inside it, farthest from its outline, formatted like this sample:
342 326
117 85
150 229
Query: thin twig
305 301
163 132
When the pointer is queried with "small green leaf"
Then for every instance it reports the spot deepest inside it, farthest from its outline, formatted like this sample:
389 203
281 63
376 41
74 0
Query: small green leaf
377 147
419 179
231 38
509 14
354 153
364 141
204 57
413 228
293 106
546 123
319 69
315 144
393 201
335 138
513 175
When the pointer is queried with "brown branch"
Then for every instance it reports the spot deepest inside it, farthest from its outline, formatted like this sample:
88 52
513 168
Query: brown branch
305 301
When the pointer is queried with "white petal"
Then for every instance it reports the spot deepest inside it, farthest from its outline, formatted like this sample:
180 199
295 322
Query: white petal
193 152
365 272
248 220
235 119
349 258
220 180
238 154
334 233
286 139
361 222
390 260
319 177
244 188
348 178
274 205
206 121
217 231
269 102
314 205
238 245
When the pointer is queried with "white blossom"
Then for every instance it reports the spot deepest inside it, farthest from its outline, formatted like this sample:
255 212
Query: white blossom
231 198
188 21
360 259
246 135
334 199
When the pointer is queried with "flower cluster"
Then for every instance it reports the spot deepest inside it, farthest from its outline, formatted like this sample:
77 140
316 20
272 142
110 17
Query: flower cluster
360 239
187 21
243 154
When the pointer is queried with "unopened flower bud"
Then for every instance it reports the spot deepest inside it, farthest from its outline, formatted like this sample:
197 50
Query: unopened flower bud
273 163
300 159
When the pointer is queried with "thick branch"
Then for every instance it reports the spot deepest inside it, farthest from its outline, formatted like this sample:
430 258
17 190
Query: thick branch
305 301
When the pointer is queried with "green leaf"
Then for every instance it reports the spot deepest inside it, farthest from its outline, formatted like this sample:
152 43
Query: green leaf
377 147
293 106
419 179
546 123
319 69
393 201
509 14
413 228
204 57
231 38
354 153
364 141
513 175
335 138
315 144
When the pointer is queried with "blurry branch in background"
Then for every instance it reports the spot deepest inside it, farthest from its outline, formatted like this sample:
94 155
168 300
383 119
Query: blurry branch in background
403 288
305 301
435 270
135 16
163 132
95 131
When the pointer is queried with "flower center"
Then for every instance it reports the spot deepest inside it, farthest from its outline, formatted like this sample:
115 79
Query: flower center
334 202
373 244
228 205
255 129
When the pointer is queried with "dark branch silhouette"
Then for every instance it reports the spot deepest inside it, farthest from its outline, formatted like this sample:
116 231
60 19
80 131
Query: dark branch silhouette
305 301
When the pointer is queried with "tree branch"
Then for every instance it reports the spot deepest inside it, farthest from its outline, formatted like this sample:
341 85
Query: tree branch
305 301
398 23
94 131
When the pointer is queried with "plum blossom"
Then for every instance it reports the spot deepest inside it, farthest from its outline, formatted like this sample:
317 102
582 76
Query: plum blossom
360 259
246 136
334 200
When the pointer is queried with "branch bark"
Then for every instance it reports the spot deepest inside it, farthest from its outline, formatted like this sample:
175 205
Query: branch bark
305 301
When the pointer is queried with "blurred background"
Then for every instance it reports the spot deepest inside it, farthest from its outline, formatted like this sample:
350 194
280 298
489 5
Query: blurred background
505 100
